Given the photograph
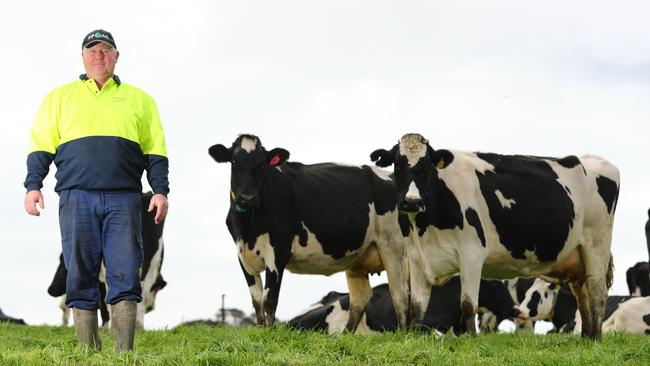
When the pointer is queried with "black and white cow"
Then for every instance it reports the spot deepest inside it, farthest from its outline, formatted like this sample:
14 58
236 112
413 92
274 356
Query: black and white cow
517 288
638 279
7 318
315 219
151 279
550 301
503 216
442 315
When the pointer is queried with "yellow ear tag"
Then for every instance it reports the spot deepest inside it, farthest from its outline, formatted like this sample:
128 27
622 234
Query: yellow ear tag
441 164
232 194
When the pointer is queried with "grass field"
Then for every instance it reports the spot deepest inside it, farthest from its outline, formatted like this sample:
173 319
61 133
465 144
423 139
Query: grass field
202 345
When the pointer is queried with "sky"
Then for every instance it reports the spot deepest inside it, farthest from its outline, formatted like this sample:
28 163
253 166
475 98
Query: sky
328 81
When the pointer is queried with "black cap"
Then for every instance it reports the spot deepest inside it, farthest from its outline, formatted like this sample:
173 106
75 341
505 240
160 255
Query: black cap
96 36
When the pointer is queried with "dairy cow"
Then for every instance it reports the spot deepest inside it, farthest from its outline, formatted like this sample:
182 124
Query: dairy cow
442 315
554 302
550 301
517 288
638 279
151 279
503 216
315 219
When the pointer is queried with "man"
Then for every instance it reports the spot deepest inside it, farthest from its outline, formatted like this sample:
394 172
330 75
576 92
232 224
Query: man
101 134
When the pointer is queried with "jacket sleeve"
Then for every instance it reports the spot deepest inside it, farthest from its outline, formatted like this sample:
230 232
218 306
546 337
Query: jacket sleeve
152 142
44 143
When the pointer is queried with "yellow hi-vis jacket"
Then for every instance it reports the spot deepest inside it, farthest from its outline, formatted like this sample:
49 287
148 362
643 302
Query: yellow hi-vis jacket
99 140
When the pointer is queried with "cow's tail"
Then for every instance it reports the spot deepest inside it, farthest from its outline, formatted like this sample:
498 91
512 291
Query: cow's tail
609 278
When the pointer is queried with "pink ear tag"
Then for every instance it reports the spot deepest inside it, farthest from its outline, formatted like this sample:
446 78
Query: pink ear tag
274 161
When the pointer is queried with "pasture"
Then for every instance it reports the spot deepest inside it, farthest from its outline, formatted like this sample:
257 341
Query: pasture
202 345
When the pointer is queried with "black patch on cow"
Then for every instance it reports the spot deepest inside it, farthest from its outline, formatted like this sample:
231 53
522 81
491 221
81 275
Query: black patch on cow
315 319
569 162
250 280
564 311
151 234
543 212
257 253
380 312
475 222
646 320
404 224
608 191
521 286
534 303
442 207
494 295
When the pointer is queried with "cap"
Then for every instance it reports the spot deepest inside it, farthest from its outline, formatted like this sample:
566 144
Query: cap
96 36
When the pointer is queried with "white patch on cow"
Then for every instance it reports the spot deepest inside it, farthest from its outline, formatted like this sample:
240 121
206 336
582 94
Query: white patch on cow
256 292
337 319
248 144
505 202
413 148
413 193
628 317
381 173
258 259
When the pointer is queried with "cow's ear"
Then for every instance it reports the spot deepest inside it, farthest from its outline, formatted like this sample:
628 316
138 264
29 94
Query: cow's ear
220 153
441 158
277 156
383 158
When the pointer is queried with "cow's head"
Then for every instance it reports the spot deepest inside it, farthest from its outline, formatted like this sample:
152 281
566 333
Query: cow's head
540 299
415 166
250 162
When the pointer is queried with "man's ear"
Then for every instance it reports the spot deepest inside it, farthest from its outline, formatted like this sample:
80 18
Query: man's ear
441 158
277 156
220 153
382 157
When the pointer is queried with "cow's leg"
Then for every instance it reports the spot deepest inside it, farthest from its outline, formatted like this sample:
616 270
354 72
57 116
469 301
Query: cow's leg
596 271
65 317
470 281
254 282
360 293
272 292
396 266
420 294
581 294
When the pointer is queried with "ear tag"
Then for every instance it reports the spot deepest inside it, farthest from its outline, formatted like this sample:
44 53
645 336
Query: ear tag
232 194
441 164
274 160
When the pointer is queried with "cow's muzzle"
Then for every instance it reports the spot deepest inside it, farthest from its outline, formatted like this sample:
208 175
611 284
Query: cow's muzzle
246 201
411 205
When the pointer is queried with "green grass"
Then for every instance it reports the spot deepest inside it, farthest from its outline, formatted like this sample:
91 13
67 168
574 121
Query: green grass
202 345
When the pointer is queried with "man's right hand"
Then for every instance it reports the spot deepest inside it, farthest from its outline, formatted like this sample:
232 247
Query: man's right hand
31 199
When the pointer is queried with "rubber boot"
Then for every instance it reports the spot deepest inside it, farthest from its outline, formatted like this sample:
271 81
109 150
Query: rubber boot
123 324
85 324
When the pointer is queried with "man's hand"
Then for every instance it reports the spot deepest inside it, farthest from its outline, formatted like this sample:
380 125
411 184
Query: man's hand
31 199
160 202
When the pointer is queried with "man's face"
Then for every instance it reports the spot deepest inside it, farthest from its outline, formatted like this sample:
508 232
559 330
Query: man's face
99 61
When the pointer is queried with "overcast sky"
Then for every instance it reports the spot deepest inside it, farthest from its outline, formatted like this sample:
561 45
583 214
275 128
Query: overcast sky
328 81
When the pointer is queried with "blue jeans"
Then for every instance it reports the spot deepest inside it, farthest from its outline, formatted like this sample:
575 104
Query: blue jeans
98 226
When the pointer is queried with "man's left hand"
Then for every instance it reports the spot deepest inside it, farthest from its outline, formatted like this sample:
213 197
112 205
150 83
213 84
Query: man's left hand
159 201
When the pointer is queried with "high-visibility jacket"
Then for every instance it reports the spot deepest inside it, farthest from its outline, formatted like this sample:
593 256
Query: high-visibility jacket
99 140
